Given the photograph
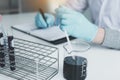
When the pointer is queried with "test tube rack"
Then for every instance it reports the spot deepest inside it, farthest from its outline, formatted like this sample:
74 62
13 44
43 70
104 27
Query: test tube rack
26 54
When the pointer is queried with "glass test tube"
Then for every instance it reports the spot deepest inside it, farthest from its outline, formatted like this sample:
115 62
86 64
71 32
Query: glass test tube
11 51
2 55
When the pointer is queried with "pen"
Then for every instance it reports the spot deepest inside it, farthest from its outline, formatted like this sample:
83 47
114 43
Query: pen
42 13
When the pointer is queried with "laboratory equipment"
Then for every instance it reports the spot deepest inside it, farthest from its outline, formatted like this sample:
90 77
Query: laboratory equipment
75 64
2 54
68 41
75 69
33 61
11 52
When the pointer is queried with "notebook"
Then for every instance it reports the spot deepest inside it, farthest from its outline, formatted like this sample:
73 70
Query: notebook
52 34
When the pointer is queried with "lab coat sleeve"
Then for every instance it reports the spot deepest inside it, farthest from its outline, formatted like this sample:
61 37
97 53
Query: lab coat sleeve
78 5
111 39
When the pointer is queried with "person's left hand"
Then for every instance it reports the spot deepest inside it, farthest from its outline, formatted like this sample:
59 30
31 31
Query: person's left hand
76 24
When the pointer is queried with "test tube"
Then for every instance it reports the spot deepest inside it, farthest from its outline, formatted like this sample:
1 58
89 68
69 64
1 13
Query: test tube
12 59
2 55
37 69
11 51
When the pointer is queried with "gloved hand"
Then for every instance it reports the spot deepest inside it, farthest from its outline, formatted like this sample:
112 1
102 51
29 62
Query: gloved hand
41 23
76 24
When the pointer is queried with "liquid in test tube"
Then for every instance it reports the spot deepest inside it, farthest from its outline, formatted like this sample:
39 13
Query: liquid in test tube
11 53
2 55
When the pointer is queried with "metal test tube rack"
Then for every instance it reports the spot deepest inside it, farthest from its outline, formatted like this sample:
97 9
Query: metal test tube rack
26 54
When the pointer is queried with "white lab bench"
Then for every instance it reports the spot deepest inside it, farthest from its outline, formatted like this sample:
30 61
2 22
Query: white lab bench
103 63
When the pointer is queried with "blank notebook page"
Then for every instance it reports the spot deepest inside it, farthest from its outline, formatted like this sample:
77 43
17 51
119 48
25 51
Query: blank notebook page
49 34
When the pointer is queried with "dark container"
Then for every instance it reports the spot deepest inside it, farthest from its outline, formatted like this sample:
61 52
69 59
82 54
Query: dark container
75 68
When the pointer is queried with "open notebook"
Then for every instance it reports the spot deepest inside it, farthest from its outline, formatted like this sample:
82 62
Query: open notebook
52 34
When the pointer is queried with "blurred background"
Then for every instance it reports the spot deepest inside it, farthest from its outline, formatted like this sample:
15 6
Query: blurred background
21 6
24 6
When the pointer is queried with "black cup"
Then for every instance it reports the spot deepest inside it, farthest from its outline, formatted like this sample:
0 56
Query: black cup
74 68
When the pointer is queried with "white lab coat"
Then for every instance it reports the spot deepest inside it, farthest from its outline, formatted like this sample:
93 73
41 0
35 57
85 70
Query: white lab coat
105 13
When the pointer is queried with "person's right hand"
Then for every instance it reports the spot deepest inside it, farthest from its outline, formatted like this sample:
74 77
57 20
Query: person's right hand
76 24
41 23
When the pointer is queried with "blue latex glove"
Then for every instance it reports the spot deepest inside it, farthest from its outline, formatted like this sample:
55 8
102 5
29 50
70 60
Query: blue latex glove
41 23
76 24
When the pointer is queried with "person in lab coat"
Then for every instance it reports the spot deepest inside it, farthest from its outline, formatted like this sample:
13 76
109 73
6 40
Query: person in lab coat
104 28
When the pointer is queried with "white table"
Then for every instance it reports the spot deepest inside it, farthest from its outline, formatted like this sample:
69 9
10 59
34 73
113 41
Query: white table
103 63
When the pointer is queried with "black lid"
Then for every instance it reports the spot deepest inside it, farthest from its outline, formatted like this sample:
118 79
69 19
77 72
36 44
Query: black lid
1 35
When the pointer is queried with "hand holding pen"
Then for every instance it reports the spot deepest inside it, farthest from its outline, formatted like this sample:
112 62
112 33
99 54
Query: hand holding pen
43 16
44 20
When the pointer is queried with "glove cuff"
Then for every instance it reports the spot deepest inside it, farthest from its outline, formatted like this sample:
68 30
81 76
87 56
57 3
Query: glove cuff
93 33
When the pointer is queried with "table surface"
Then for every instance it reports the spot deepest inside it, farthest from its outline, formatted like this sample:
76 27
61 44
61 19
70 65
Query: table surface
103 63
